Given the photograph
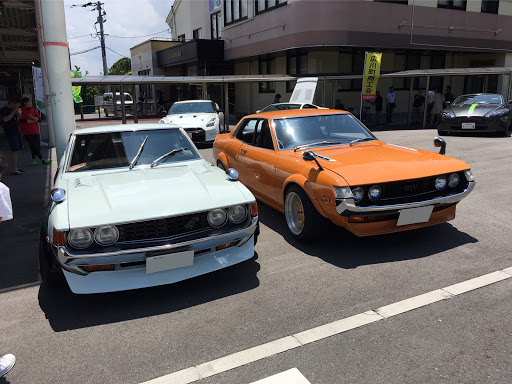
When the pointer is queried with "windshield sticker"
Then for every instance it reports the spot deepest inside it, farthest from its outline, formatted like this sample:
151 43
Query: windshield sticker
400 146
471 109
77 166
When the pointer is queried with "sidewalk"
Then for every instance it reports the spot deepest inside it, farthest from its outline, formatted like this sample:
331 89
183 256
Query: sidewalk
30 194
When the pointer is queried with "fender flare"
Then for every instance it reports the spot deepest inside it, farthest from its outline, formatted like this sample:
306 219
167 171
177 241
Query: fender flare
223 159
303 183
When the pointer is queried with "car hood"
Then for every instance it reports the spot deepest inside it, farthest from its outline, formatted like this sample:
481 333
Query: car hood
378 162
149 193
191 120
468 110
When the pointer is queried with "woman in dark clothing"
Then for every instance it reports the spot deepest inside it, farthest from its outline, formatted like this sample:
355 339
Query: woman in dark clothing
30 129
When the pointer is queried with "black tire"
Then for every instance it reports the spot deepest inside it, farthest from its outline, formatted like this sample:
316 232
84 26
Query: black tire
314 225
49 277
221 165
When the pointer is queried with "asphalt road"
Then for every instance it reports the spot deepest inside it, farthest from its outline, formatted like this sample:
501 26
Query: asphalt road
132 337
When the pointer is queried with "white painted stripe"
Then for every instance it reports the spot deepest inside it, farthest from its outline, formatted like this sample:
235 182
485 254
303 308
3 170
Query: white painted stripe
292 376
508 270
248 356
184 376
477 282
413 303
336 327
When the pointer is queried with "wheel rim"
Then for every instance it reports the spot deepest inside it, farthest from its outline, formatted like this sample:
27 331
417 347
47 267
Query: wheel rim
294 212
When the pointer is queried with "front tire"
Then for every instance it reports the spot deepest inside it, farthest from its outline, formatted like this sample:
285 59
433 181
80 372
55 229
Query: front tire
304 221
220 165
49 278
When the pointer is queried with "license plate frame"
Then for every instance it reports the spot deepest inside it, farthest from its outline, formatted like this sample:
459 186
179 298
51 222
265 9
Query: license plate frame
169 261
415 215
468 125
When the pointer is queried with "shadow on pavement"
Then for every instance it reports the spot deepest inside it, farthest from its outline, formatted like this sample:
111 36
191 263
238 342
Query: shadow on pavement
65 310
343 249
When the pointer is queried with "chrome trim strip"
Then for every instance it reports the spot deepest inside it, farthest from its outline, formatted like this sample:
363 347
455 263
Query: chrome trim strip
344 205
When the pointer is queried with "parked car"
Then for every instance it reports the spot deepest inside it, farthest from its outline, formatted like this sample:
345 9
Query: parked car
201 119
286 106
108 103
324 165
137 206
481 112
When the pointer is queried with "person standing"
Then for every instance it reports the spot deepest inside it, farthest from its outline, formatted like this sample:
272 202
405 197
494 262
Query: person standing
141 103
448 95
438 105
29 128
378 108
9 117
277 99
417 107
390 105
430 105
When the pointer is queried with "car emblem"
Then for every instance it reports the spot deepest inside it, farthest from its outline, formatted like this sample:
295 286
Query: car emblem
192 222
411 188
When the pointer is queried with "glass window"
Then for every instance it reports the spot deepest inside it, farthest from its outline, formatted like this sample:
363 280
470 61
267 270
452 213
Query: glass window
117 149
350 64
266 5
490 6
197 33
215 25
263 136
193 107
235 10
267 65
248 131
478 99
296 64
181 37
452 4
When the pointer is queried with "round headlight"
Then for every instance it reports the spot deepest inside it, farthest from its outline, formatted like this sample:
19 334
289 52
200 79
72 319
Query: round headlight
80 238
453 180
237 214
374 193
358 193
217 217
106 235
440 183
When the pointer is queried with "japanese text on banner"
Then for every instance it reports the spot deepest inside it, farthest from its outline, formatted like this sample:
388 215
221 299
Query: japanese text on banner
371 75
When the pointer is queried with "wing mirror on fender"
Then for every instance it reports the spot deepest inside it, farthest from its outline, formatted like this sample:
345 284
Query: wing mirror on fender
438 142
310 156
232 174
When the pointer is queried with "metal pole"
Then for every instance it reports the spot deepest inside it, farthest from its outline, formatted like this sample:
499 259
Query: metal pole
82 111
509 88
54 53
123 108
135 106
425 106
409 103
114 101
362 87
102 41
205 93
226 107
323 92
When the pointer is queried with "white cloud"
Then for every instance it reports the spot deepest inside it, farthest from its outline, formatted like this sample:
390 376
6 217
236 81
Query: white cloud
124 18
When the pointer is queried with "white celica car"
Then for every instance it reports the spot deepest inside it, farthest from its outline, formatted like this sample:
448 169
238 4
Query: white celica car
201 119
137 206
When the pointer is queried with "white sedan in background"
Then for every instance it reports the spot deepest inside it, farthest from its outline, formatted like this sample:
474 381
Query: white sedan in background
201 119
286 106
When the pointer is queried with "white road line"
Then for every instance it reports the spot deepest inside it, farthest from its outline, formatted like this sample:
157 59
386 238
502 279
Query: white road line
297 340
292 376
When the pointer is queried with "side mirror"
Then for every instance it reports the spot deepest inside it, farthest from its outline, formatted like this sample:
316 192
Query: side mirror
438 142
310 156
258 111
58 195
232 174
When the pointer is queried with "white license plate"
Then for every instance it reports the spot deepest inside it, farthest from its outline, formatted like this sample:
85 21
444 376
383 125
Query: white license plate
170 261
415 215
468 125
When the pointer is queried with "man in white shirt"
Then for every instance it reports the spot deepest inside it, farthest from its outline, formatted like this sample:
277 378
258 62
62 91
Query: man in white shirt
430 105
390 104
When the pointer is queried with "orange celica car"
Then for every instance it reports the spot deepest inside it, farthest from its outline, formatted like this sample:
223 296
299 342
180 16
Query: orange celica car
320 165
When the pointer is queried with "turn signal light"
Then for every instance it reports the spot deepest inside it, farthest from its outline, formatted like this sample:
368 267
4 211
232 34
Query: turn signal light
254 209
59 237
227 245
97 268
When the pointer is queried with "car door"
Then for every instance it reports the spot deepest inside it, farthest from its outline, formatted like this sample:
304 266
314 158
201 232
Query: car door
257 160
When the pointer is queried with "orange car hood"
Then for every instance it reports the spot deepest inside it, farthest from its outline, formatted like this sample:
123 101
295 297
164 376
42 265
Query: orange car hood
378 162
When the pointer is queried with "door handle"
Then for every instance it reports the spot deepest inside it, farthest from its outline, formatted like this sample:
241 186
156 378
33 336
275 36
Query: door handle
243 150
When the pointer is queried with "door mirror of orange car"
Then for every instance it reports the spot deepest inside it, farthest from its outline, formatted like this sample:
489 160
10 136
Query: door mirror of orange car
438 142
310 156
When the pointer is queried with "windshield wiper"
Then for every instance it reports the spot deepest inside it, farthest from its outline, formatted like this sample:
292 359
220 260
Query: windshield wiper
133 163
361 140
319 143
168 154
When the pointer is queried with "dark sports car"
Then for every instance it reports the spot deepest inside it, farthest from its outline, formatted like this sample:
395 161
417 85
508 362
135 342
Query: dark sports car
482 112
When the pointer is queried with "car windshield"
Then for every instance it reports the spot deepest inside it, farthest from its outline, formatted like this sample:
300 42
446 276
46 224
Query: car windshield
194 107
477 99
127 97
319 130
117 149
280 107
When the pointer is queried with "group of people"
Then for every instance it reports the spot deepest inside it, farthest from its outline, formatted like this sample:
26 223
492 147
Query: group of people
20 120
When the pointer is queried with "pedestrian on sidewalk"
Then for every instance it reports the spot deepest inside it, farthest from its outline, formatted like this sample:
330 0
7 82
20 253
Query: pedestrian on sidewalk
9 118
29 128
390 105
6 361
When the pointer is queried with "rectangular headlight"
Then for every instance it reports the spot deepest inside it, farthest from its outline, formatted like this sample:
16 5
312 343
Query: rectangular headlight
343 192
469 175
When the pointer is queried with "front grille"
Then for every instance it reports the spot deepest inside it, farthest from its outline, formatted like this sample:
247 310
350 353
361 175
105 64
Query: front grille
197 134
411 191
471 119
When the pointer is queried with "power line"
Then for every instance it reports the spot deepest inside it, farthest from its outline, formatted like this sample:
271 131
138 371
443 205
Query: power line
77 37
87 50
110 49
135 37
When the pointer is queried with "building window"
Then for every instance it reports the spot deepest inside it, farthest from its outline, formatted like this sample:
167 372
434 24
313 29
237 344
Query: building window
197 33
296 64
267 5
234 11
490 6
215 25
351 64
267 64
181 37
452 4
147 89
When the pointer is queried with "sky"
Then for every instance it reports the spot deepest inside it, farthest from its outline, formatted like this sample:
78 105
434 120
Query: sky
125 18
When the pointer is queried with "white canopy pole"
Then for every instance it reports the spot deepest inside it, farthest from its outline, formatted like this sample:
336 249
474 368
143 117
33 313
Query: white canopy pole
55 56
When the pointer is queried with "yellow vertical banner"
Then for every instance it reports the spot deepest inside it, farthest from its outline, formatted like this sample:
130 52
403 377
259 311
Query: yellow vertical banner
371 75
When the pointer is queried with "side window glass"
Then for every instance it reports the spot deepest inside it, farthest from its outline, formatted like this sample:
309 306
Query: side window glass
248 131
264 139
309 106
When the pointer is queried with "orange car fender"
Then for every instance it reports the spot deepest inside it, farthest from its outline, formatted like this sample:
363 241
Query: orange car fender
223 159
303 183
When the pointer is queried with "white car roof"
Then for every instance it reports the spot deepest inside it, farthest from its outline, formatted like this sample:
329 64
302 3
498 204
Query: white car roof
124 128
192 101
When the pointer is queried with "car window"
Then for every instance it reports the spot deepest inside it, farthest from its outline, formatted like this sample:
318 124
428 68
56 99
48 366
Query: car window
192 107
467 100
309 106
248 131
117 149
264 136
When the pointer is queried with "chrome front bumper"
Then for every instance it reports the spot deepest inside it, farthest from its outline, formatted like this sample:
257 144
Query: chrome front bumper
347 207
71 262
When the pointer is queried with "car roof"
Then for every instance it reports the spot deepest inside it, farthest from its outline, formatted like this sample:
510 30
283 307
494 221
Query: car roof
191 101
296 112
481 94
123 128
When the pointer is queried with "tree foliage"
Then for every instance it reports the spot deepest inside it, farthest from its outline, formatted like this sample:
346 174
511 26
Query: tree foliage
121 67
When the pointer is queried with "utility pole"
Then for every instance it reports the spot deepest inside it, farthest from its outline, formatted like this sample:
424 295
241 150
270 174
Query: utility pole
102 39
